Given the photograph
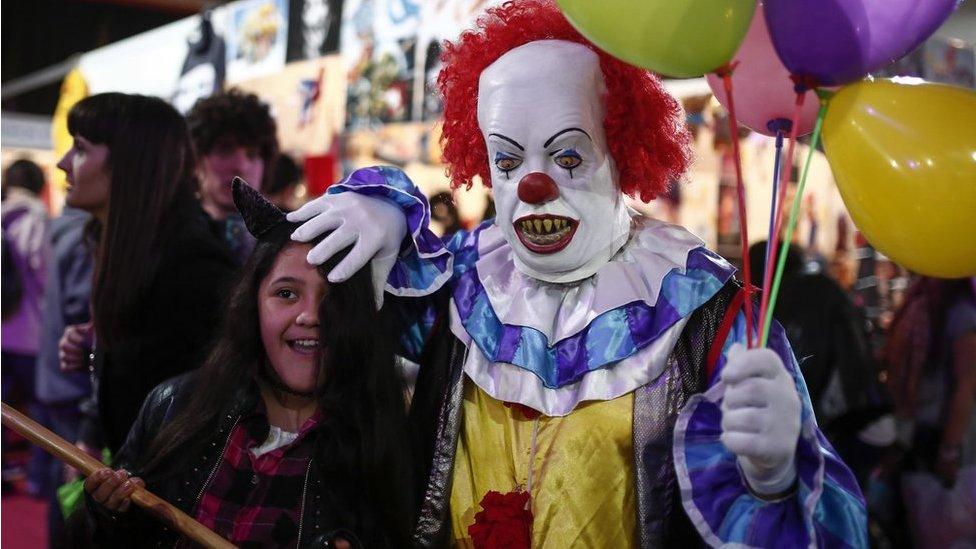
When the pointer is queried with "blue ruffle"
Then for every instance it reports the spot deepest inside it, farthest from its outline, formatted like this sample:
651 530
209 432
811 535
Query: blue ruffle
609 338
827 508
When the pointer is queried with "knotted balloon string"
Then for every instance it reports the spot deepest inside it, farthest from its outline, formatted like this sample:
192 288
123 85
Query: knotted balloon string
801 86
725 73
791 225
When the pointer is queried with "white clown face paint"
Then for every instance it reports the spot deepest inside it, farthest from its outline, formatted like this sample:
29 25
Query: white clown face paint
555 185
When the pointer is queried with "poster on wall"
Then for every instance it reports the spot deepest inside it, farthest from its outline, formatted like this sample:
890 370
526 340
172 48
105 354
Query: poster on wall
377 42
194 57
391 50
313 28
204 67
149 63
256 38
441 20
306 100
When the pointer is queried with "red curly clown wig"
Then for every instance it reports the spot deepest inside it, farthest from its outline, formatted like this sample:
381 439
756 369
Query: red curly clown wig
643 123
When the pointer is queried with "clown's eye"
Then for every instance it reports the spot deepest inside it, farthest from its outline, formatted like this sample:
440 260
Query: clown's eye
507 163
569 160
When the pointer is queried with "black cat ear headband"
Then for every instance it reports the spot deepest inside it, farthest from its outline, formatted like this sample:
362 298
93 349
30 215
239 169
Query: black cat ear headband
260 214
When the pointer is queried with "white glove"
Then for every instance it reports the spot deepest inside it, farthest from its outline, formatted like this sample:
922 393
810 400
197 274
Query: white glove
761 418
374 227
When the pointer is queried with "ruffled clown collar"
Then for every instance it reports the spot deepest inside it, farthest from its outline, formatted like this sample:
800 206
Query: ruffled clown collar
534 340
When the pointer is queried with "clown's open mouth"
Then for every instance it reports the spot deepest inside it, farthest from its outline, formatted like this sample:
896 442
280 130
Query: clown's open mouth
545 234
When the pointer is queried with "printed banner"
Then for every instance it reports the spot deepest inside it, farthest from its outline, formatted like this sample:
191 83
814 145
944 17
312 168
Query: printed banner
313 28
256 38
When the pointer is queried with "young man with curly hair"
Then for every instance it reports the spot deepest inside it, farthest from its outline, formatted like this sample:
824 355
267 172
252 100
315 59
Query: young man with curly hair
235 136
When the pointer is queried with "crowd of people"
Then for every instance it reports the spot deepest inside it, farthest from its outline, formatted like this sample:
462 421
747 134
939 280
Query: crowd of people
125 289
256 368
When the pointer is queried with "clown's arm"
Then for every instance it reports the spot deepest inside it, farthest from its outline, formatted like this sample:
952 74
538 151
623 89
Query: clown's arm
753 466
384 217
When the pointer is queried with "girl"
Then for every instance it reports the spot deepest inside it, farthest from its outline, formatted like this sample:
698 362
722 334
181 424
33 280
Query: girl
159 272
294 431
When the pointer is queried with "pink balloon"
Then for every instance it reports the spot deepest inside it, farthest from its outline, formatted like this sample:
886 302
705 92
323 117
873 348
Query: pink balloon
761 84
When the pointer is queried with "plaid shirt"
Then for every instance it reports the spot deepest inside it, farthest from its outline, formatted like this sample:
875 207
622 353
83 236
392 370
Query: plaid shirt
257 502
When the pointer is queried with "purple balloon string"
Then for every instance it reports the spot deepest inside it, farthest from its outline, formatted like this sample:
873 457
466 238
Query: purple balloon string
780 126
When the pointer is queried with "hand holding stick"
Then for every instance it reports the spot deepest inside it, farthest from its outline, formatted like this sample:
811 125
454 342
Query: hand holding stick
68 453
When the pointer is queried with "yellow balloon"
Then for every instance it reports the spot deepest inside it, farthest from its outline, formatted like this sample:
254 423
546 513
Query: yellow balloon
904 157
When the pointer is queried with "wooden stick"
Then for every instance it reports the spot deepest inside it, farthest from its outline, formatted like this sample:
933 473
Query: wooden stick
73 456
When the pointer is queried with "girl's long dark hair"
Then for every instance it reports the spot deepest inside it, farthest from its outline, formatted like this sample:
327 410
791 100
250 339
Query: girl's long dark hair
151 163
362 447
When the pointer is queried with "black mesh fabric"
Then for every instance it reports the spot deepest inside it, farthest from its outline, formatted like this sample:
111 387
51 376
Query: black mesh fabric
662 521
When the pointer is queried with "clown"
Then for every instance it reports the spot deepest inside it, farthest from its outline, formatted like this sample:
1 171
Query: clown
587 384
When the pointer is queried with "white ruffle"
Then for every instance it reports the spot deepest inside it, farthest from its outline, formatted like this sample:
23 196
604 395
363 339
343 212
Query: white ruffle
509 383
559 311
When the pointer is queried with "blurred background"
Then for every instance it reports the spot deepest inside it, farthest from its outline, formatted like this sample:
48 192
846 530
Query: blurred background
350 84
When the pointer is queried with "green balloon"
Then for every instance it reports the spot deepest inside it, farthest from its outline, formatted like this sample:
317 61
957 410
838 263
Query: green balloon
680 38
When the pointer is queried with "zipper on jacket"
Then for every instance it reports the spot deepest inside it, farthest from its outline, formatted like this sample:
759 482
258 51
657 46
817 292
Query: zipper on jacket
210 477
301 510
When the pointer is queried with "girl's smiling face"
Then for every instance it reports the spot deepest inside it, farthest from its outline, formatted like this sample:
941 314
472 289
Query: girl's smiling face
288 311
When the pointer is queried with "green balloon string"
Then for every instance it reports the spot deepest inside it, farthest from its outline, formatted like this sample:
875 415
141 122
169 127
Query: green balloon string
791 224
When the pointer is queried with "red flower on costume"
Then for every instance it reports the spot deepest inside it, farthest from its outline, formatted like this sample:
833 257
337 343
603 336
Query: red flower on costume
527 412
505 522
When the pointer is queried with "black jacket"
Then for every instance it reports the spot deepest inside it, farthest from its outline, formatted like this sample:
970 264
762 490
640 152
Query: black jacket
830 340
177 317
184 488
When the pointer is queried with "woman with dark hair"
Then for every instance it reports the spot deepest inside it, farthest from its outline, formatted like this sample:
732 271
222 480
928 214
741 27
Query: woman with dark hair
930 360
159 272
930 363
294 432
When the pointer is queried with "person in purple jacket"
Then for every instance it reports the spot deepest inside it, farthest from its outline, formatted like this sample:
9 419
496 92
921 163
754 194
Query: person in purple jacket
24 223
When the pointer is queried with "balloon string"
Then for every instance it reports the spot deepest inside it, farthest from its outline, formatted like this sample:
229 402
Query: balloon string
791 224
783 180
726 74
772 205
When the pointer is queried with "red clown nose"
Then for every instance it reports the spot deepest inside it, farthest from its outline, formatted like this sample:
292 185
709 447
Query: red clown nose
537 188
